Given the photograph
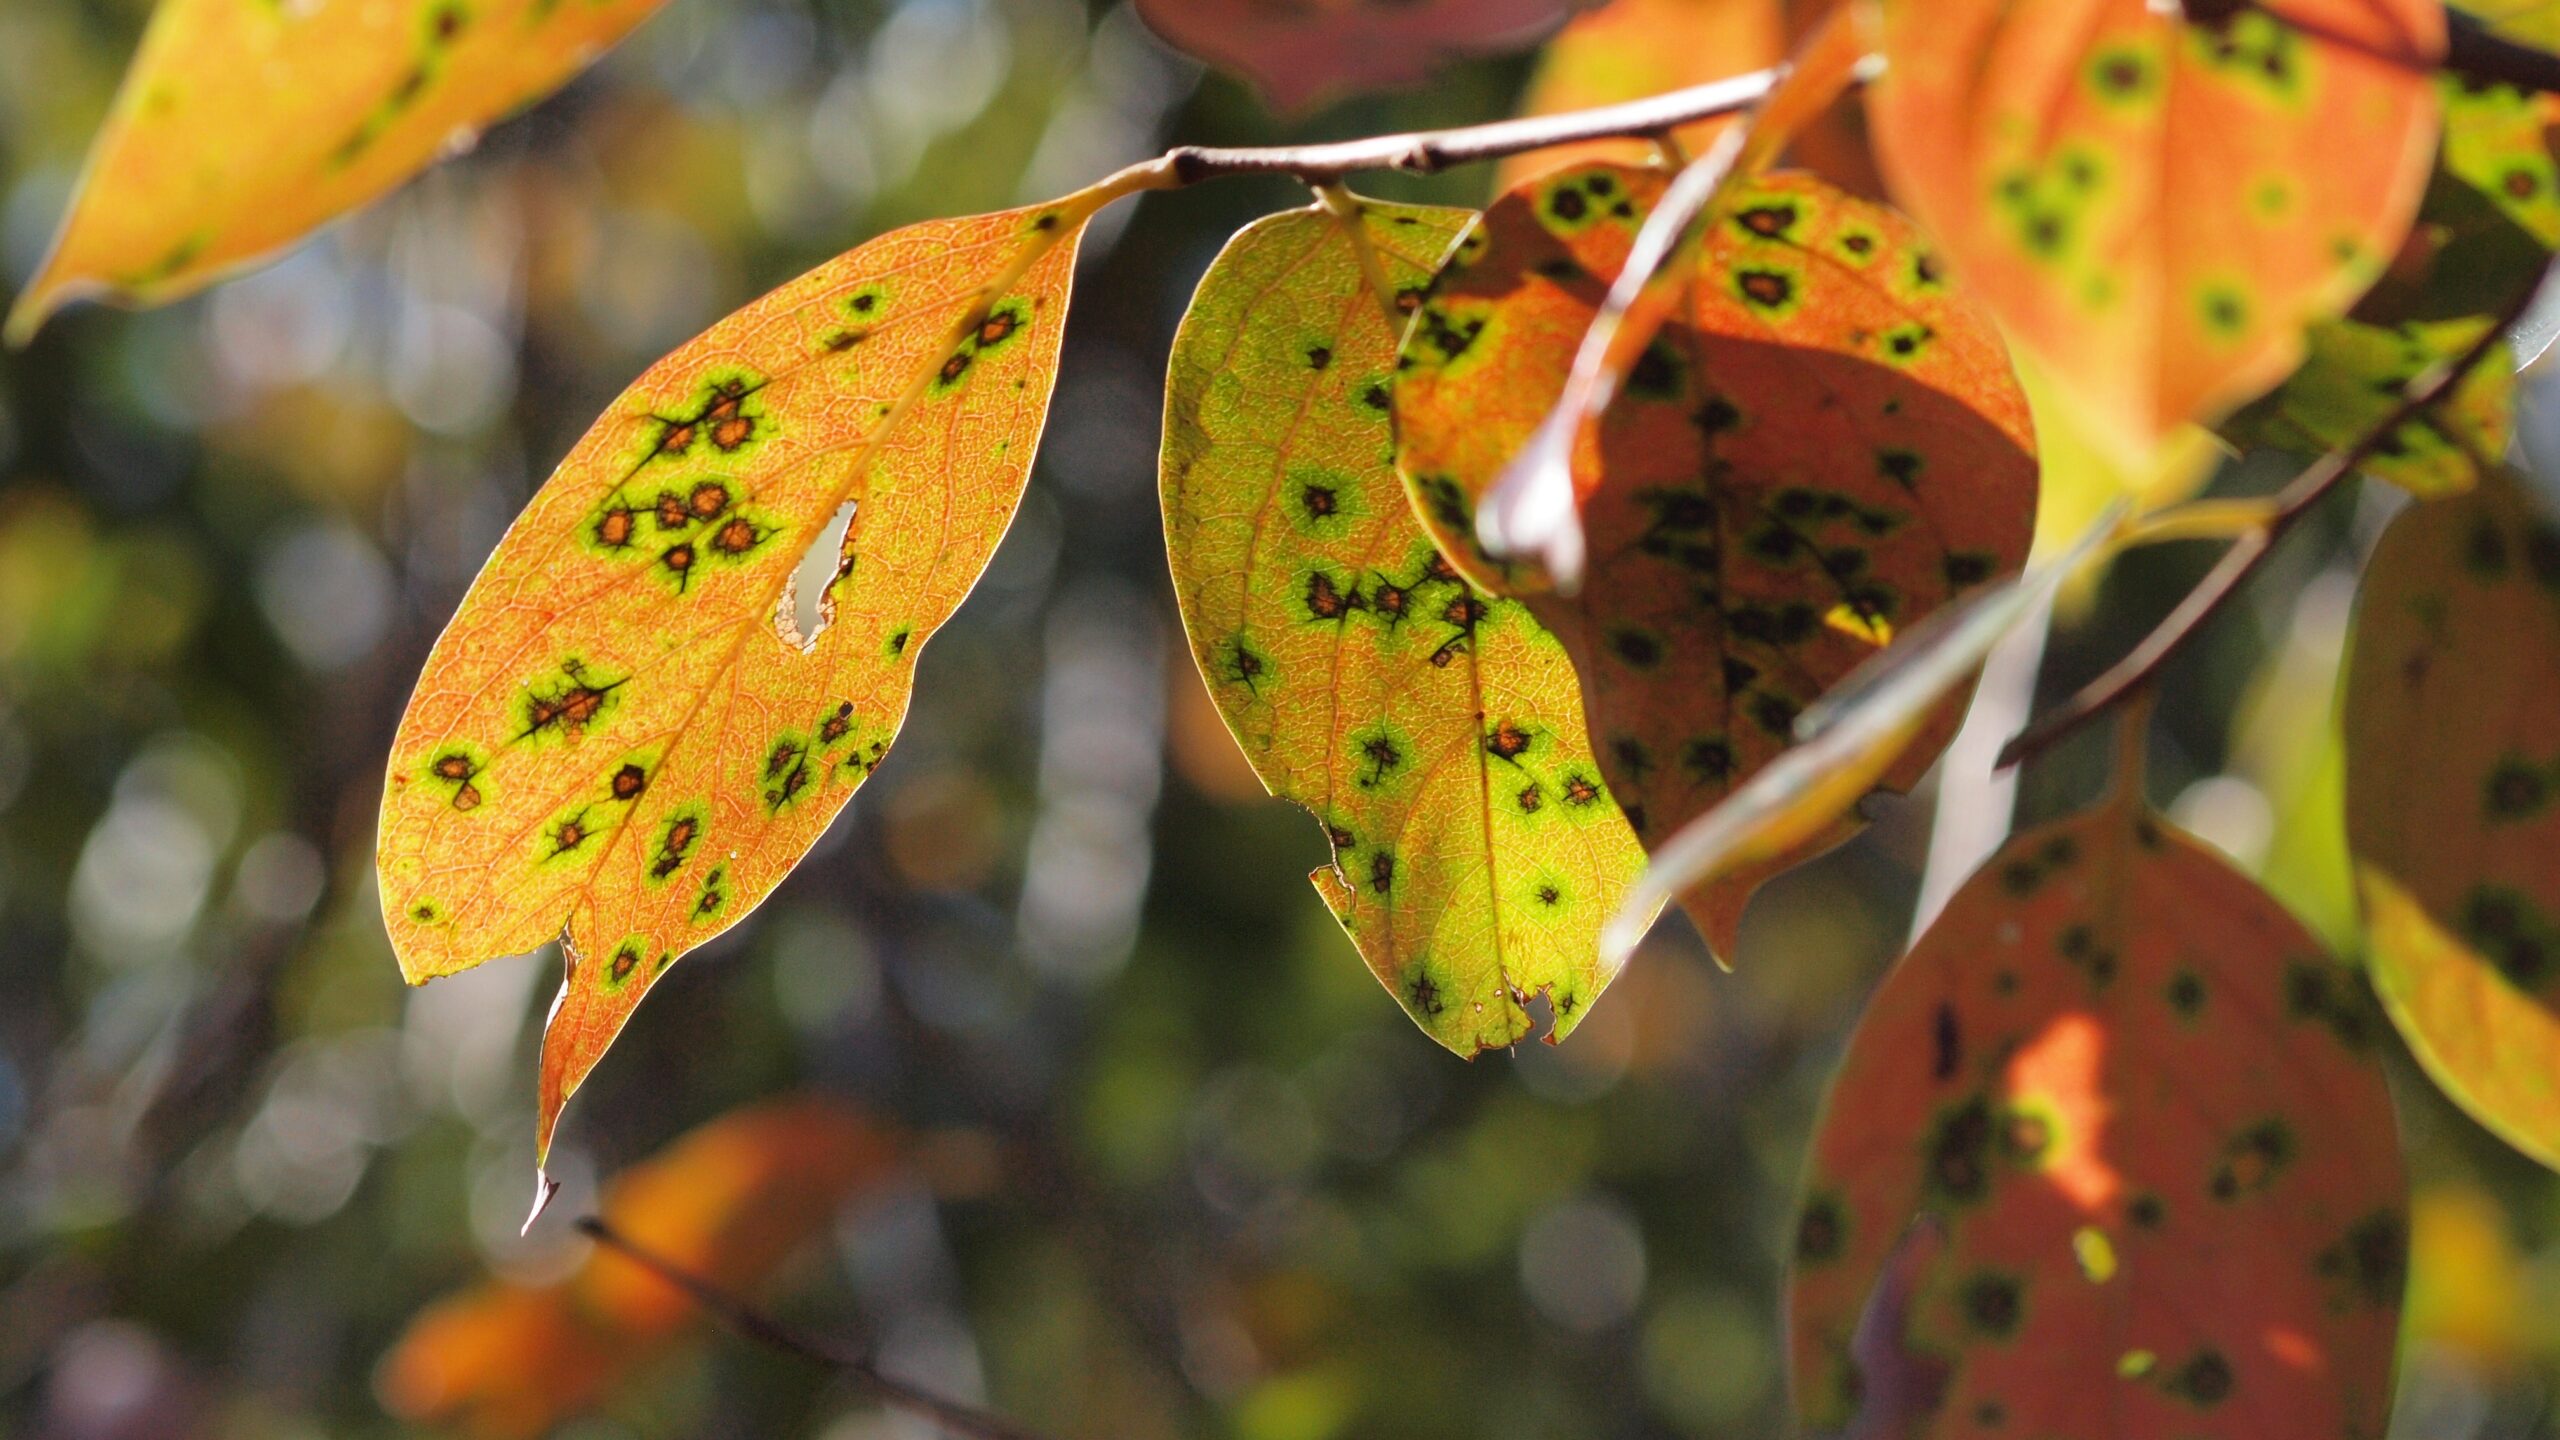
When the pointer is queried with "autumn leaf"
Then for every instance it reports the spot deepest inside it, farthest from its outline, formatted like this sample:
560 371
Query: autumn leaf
2453 798
1630 49
2147 1110
728 1202
1301 55
1436 732
242 127
2156 207
1823 448
623 739
1860 731
2483 238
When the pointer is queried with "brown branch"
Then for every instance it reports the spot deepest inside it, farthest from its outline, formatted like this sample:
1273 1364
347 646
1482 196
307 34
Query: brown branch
756 1325
2140 665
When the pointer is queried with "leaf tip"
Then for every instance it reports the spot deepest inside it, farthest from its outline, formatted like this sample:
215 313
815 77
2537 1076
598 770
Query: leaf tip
544 1187
28 314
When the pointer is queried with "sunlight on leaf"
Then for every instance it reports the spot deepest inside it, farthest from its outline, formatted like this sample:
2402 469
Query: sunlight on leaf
1635 48
622 740
2157 208
1436 733
2149 1112
1824 448
2453 798
2352 379
728 1202
1300 56
243 126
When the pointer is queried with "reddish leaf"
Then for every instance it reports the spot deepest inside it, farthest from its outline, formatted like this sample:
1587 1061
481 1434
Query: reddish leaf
2157 208
2147 1109
2453 798
728 1202
1437 734
623 741
1304 52
1824 447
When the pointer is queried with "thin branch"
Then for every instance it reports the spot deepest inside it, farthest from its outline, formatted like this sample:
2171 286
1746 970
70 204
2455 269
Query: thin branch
1422 152
2251 547
756 1325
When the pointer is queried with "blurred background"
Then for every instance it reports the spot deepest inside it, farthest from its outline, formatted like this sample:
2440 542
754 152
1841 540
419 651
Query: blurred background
1174 1165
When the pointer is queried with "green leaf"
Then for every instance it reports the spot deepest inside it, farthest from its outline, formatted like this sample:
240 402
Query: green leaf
1435 731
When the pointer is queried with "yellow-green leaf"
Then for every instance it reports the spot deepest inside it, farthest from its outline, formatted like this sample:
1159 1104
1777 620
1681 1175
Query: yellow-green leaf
1435 731
623 740
244 124
2453 798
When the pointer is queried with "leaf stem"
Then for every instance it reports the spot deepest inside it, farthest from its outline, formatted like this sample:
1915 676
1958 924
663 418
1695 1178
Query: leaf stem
756 1325
2250 548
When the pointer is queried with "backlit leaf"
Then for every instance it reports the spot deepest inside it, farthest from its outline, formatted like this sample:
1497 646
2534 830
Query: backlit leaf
728 1202
2482 239
1824 447
1630 49
622 739
1848 741
1436 732
2453 798
2146 1108
1300 55
242 125
2158 208
2352 379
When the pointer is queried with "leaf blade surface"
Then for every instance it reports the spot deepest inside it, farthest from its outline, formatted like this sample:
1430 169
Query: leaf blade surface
241 127
1437 733
2148 1111
622 740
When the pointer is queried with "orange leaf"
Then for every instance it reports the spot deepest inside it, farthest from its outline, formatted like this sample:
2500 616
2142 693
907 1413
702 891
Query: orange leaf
1436 733
2453 798
1630 49
1307 52
241 127
728 1202
2157 208
2148 1111
1823 447
623 740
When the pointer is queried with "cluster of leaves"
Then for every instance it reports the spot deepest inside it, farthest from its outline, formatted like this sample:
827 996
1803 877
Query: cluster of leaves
1602 548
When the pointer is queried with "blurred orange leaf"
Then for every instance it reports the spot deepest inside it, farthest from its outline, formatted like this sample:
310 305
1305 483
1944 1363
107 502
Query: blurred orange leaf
1306 52
2453 798
1823 448
2149 1112
241 127
1437 734
2157 207
1630 49
624 740
729 1202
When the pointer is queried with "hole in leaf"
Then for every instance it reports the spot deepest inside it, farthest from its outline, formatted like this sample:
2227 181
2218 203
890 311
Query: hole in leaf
807 607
